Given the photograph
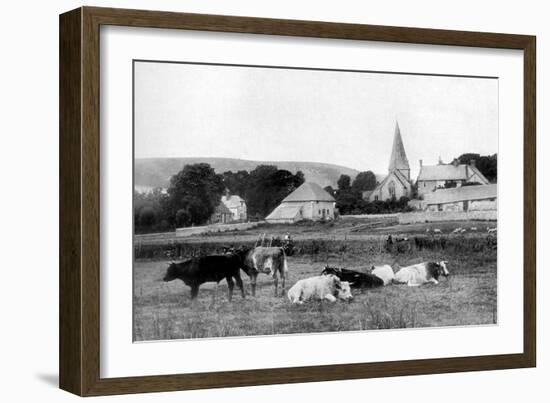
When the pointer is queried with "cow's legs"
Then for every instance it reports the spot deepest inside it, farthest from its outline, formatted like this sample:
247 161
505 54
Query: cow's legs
330 297
253 283
194 291
276 282
283 277
230 285
239 282
215 294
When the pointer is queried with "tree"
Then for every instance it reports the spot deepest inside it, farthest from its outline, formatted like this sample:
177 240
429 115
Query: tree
364 181
344 182
236 182
268 186
148 211
330 190
193 194
487 164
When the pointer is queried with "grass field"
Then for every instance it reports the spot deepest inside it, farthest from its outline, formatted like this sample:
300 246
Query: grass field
467 297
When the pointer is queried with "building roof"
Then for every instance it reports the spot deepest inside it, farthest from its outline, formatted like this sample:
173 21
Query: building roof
450 172
232 201
399 176
462 193
309 191
398 159
284 213
443 172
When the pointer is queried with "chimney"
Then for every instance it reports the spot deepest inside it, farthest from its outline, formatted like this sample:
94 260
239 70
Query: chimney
472 163
420 161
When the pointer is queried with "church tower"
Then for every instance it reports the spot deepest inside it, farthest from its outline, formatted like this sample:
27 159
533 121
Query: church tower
398 159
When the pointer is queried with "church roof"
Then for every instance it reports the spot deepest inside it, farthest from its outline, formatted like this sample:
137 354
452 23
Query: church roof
398 159
309 191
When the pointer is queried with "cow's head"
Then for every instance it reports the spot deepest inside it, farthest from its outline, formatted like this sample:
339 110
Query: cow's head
344 292
443 264
330 270
171 272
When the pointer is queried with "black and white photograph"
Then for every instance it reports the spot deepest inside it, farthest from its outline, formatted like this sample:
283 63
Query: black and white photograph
273 200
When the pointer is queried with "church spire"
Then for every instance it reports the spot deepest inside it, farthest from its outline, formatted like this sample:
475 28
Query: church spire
398 158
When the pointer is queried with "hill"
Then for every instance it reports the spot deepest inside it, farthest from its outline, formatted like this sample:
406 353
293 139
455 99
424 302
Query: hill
156 172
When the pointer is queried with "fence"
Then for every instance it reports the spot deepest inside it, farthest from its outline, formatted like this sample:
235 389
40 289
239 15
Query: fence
188 231
436 216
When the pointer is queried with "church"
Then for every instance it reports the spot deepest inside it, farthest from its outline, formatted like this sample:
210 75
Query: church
398 181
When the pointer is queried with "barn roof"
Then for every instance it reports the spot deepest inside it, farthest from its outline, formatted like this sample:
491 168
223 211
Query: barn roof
284 213
452 195
398 159
309 191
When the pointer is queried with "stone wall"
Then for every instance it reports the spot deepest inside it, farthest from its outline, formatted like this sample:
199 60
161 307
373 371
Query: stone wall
435 216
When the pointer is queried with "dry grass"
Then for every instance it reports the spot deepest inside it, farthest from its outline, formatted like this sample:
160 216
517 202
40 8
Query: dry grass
467 297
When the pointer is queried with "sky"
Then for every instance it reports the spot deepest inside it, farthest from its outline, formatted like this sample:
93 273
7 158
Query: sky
277 114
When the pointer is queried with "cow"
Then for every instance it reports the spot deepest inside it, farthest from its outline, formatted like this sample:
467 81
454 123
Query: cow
421 273
384 273
324 287
263 259
355 279
200 270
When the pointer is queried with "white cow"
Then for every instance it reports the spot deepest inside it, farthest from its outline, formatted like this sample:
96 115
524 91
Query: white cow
326 287
384 272
421 273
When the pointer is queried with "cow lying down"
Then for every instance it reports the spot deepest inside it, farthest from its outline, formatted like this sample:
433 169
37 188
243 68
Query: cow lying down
421 273
355 279
384 272
326 287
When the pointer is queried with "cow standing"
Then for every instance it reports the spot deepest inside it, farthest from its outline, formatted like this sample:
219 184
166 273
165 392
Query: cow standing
197 271
263 259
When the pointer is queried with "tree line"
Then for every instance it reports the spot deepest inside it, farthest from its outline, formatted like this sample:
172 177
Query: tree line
194 193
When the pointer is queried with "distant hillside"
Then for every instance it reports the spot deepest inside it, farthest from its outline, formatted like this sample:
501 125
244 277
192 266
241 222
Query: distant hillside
156 172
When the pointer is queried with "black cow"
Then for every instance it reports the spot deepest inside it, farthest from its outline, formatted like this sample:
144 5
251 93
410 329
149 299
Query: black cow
356 279
214 268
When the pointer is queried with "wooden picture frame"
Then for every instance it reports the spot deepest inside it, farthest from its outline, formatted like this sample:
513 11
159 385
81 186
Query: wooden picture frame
79 348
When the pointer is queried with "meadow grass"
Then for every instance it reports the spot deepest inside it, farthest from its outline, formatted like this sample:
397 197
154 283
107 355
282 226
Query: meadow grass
468 297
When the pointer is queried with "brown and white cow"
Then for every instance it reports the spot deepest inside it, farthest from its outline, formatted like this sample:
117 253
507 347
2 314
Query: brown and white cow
267 260
324 287
421 273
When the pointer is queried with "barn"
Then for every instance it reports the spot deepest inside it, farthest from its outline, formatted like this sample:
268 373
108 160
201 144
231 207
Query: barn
308 202
464 198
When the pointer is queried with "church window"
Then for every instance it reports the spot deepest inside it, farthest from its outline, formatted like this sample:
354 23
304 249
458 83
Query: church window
391 189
